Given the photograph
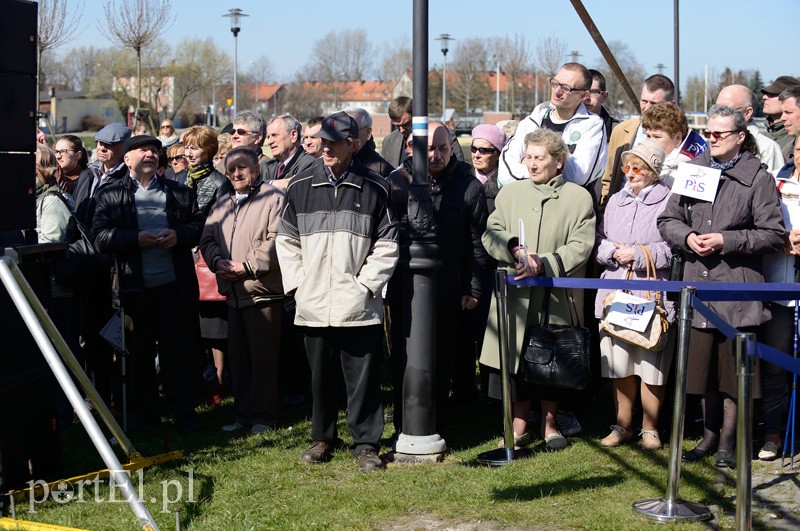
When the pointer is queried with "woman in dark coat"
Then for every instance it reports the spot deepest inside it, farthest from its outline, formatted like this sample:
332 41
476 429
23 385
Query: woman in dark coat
724 241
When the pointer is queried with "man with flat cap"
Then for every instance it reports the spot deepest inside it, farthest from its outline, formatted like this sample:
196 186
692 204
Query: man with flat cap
337 247
772 110
149 225
94 299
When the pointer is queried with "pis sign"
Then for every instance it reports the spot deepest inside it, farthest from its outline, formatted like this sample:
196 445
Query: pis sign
696 181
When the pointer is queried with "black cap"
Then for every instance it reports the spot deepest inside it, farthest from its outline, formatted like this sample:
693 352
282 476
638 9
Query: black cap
141 140
338 126
227 129
780 84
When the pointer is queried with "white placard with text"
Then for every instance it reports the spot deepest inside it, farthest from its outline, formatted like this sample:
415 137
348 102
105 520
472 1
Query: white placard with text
696 181
629 311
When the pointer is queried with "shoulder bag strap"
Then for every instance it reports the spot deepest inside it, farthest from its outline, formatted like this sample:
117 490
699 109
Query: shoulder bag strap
562 272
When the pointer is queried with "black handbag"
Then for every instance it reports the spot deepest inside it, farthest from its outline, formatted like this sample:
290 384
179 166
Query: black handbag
557 355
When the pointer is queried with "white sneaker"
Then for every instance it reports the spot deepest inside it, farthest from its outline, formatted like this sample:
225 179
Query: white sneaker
769 452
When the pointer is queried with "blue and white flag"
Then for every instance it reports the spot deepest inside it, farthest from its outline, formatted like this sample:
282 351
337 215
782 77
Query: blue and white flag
693 145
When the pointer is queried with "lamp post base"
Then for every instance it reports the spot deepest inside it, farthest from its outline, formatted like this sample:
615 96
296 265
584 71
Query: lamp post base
419 448
663 510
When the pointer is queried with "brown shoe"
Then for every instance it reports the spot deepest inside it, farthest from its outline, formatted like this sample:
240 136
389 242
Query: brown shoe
368 461
650 440
618 436
320 452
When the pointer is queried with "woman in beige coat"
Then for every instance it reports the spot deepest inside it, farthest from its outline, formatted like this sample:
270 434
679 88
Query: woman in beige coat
558 218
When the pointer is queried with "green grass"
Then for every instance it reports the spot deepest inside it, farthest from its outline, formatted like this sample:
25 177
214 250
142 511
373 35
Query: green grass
246 482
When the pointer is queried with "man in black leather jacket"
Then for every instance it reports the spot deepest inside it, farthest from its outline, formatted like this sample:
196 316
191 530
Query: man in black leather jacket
150 224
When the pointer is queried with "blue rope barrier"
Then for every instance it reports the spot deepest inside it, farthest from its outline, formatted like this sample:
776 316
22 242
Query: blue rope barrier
706 291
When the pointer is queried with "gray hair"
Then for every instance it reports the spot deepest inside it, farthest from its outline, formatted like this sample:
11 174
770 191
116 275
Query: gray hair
246 152
739 123
254 122
550 140
289 123
361 116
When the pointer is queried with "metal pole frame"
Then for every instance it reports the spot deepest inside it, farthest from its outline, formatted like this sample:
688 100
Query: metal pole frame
17 286
671 508
745 363
503 456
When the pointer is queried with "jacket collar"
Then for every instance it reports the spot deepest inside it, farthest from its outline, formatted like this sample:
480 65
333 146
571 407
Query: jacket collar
353 177
655 196
744 172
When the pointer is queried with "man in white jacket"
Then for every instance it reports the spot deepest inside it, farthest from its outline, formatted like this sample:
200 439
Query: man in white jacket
565 113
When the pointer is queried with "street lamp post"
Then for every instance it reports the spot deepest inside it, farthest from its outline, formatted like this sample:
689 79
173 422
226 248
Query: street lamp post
497 86
445 39
235 14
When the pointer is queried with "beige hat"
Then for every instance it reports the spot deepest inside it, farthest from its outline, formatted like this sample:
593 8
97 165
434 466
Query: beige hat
650 152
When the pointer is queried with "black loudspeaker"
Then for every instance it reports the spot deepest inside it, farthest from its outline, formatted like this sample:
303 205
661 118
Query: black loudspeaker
18 37
18 30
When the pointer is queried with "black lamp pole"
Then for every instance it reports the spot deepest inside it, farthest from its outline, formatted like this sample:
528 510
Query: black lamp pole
419 259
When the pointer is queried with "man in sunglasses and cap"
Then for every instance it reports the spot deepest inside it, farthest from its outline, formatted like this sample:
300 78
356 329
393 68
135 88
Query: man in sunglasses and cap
337 247
150 225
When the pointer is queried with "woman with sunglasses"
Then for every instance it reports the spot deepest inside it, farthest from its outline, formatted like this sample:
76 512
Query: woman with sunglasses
166 133
487 143
724 241
176 159
629 221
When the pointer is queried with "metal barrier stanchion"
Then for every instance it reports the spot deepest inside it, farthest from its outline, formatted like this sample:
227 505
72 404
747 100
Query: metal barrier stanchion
745 363
672 508
503 456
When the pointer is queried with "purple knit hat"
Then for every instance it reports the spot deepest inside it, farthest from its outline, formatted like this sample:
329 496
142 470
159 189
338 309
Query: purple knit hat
492 134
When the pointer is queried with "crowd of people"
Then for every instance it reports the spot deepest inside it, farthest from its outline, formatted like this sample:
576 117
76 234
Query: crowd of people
303 249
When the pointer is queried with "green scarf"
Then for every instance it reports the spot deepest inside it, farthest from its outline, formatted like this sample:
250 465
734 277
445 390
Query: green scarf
199 172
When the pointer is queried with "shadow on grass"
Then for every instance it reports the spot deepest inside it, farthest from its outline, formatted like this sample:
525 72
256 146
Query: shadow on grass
549 489
774 507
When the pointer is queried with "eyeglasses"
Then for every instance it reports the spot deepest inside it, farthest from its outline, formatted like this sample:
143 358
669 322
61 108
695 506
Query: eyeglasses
596 92
176 158
241 132
483 150
63 151
718 134
566 89
633 169
165 126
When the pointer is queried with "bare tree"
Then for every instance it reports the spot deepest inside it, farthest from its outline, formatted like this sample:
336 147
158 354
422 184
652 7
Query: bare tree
396 60
514 55
550 54
57 26
260 71
470 65
135 24
633 70
198 66
342 56
80 65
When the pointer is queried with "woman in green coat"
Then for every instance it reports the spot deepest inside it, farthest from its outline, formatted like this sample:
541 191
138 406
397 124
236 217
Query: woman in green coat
558 218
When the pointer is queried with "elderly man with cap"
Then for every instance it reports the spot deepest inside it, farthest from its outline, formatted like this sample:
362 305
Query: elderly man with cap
150 225
337 247
772 110
94 300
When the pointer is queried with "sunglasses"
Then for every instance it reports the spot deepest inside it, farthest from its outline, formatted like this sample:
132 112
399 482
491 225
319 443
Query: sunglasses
718 134
483 150
165 126
241 132
633 169
176 158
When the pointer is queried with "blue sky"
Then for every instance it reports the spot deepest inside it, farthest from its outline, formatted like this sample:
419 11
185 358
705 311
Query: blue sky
741 34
